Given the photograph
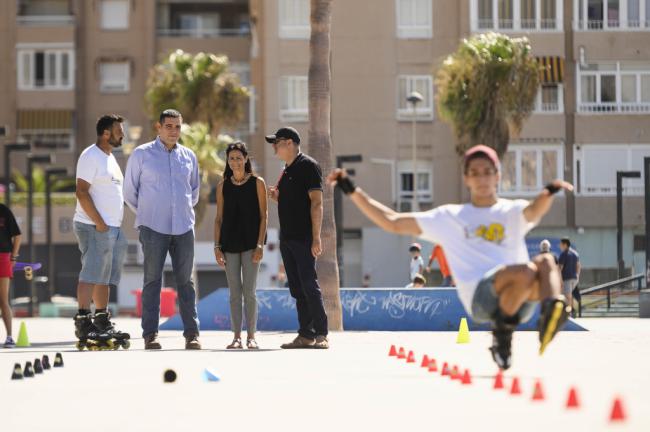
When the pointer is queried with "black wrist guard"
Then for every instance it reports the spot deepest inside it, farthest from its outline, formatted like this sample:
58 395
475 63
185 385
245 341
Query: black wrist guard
552 189
346 185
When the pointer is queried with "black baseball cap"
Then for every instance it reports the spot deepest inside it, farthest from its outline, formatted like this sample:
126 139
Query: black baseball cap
284 132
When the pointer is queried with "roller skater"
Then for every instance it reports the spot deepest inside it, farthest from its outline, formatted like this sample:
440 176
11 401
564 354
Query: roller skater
89 337
103 324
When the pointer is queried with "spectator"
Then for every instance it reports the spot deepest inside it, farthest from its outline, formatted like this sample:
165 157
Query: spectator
545 248
9 246
418 281
570 267
416 263
437 253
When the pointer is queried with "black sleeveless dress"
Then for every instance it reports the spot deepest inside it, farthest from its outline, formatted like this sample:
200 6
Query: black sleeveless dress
240 226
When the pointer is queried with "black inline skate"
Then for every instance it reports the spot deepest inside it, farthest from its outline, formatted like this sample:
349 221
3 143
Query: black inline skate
103 323
89 337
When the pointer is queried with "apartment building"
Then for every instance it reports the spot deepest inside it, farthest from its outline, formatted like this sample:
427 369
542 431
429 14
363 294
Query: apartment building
76 59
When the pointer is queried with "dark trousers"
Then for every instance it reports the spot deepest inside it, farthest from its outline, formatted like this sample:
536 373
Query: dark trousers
300 266
181 250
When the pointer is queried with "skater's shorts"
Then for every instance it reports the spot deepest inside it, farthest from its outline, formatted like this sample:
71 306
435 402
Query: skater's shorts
485 302
102 254
6 265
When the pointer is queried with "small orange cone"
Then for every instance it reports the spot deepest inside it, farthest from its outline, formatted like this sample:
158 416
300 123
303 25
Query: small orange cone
392 352
538 393
618 413
425 361
572 400
498 380
433 367
410 358
454 374
515 390
401 354
445 369
467 378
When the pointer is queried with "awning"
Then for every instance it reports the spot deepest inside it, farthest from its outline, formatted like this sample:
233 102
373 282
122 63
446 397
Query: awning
44 119
552 69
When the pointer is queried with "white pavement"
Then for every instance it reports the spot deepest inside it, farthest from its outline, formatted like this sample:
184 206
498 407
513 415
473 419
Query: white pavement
353 386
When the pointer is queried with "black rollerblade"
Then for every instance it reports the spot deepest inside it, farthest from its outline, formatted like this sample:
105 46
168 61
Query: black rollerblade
89 337
103 323
502 329
554 313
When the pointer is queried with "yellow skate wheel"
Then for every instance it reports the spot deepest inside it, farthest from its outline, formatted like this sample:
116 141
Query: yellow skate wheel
126 345
93 348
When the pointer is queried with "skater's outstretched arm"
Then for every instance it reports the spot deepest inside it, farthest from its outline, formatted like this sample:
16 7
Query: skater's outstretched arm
383 216
542 204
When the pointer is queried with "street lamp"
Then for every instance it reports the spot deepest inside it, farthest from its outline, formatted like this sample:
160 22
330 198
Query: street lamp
49 173
31 160
414 98
619 216
9 148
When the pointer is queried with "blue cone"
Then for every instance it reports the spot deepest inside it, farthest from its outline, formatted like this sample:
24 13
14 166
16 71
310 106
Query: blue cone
210 375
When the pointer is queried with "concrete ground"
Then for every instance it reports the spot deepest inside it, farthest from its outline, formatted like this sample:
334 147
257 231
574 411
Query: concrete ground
352 386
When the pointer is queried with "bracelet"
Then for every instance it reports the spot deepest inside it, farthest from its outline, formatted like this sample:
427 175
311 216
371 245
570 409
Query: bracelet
346 185
14 258
260 246
217 246
552 189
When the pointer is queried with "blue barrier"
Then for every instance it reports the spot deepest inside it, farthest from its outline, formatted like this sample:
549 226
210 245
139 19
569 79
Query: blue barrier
382 309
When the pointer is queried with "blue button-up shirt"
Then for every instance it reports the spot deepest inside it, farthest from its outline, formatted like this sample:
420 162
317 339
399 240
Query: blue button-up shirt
162 187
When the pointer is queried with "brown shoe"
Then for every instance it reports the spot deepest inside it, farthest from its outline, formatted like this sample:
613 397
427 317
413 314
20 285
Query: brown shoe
151 342
298 343
321 342
192 343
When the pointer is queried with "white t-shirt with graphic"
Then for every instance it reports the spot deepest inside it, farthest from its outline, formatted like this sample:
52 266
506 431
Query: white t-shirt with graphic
105 177
477 239
416 265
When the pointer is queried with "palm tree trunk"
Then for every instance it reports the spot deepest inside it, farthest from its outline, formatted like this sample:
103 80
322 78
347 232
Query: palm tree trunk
320 147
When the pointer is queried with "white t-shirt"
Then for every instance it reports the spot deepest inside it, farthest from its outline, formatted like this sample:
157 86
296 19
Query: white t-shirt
106 179
416 265
477 239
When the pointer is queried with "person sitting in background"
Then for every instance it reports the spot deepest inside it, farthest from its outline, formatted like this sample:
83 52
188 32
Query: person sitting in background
419 281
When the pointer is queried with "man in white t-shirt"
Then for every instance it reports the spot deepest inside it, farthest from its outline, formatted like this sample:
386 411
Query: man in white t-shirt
97 221
485 247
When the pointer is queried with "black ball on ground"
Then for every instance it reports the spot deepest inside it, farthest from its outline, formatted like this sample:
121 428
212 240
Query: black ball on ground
170 376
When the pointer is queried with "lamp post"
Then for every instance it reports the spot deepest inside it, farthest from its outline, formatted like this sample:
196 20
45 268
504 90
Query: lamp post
9 148
49 173
338 210
31 160
619 216
414 98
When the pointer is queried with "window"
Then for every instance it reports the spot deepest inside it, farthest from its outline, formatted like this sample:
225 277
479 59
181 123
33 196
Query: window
294 19
599 164
50 139
47 69
550 99
612 14
526 169
614 87
516 15
114 77
414 19
197 25
405 184
115 14
294 98
422 84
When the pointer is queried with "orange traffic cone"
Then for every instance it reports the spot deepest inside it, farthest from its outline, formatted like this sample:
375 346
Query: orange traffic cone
618 413
445 369
392 352
498 380
538 393
572 400
425 361
410 358
433 367
515 390
401 354
467 378
455 373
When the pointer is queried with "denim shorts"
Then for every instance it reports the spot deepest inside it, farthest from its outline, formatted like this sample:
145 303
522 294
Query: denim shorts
102 254
485 302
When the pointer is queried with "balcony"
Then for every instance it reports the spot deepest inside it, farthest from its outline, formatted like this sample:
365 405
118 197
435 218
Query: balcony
202 20
44 13
620 15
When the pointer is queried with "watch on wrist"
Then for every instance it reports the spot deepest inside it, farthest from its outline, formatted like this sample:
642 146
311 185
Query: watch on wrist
259 246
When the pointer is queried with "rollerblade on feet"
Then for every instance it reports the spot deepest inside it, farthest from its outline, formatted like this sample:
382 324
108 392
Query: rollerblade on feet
89 337
554 313
103 323
502 329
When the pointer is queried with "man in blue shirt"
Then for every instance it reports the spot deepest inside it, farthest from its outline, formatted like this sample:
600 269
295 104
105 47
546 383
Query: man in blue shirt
569 262
161 186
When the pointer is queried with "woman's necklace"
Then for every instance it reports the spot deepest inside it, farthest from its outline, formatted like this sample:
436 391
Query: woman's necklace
240 182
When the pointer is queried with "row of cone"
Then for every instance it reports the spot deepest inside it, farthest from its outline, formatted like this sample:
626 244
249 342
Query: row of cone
38 367
617 413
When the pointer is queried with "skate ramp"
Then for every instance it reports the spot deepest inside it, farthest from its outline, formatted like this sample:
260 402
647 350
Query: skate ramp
381 309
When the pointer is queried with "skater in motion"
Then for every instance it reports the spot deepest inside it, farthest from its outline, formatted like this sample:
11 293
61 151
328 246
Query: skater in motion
9 247
97 221
484 242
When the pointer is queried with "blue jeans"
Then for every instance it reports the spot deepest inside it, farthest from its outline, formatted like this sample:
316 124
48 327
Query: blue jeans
300 266
102 254
181 250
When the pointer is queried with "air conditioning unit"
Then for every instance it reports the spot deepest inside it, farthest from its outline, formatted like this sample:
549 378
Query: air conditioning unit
134 254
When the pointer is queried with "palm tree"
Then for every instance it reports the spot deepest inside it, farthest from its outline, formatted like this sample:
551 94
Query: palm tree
320 147
200 86
487 88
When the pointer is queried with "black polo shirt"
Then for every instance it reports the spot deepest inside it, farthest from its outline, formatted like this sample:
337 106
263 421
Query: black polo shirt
294 205
8 229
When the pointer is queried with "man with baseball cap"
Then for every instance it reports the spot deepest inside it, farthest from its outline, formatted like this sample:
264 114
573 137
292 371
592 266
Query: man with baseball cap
299 194
484 243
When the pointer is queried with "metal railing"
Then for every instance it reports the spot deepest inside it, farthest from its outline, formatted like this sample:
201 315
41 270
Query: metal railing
45 20
620 283
204 33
